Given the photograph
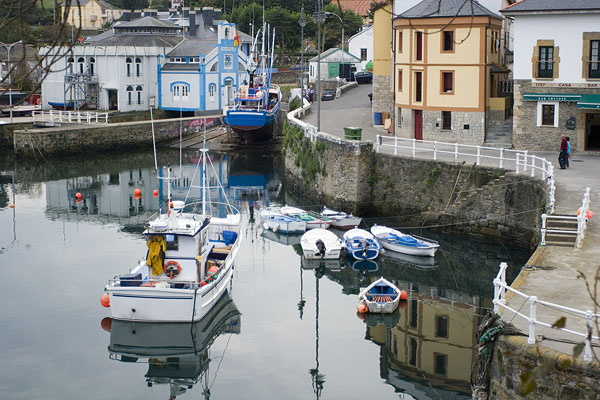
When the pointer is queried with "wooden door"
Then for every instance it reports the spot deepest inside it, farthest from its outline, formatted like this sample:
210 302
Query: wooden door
419 124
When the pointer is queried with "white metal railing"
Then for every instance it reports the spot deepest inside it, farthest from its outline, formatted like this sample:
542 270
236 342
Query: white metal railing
581 218
518 160
70 117
499 300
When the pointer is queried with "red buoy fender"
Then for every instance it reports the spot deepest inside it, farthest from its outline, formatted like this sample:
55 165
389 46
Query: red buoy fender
172 269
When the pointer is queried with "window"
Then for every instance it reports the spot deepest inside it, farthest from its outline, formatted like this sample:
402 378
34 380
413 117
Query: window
418 86
80 64
129 93
70 62
446 120
212 89
413 352
172 242
128 66
546 61
138 66
92 64
448 41
547 114
419 49
594 62
399 43
363 54
399 116
414 314
441 326
447 82
399 81
180 91
228 61
440 362
139 94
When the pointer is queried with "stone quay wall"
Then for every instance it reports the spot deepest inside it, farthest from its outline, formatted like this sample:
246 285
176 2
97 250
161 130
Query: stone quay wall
383 97
558 377
86 138
484 203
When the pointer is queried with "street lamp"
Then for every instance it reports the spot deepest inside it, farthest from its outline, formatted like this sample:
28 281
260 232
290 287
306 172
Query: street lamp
319 16
341 22
302 23
10 77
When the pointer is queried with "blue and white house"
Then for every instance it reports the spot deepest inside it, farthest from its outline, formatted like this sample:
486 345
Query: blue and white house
202 75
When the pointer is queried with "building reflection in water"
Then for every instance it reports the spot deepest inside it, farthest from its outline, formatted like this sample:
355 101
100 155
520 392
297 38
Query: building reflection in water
178 354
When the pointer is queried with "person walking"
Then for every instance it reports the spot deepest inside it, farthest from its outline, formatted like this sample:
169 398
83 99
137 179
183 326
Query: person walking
563 151
568 157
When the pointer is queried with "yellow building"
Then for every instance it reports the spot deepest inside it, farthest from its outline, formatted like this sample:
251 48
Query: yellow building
446 69
90 14
383 95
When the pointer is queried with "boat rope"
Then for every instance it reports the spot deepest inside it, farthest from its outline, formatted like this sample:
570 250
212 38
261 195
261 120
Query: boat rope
220 361
454 188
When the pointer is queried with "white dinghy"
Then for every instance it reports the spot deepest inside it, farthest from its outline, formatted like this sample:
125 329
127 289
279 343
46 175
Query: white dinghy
381 296
361 244
397 241
320 244
340 219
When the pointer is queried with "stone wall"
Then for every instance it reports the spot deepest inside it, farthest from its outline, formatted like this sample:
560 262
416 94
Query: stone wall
526 133
467 128
558 378
383 97
484 203
6 133
88 138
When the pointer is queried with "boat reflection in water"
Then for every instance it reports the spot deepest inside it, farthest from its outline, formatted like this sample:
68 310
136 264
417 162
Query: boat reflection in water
408 260
177 354
424 353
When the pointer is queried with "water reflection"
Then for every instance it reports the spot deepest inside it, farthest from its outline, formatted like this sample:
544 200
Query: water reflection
178 355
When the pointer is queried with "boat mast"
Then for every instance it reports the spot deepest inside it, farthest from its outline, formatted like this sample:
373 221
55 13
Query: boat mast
204 150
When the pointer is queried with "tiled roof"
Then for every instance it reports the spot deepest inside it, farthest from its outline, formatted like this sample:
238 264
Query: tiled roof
360 7
193 48
138 40
447 8
147 22
552 5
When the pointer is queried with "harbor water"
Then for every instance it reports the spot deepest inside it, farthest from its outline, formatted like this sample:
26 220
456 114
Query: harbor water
287 329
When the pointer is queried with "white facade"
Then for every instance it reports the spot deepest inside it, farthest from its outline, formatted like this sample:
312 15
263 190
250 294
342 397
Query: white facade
127 76
566 32
330 61
361 46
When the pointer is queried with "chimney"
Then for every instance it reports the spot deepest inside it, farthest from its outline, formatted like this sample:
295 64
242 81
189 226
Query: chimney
207 15
193 26
217 14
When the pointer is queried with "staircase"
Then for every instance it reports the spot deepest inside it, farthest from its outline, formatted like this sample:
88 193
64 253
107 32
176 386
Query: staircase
561 230
499 134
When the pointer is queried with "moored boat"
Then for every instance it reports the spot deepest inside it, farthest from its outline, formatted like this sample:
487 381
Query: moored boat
361 244
397 241
187 267
312 221
320 244
276 221
340 219
381 296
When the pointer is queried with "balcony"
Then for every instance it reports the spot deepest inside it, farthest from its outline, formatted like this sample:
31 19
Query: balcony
594 69
545 70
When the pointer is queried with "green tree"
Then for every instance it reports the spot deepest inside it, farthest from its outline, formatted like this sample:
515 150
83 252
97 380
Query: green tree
332 28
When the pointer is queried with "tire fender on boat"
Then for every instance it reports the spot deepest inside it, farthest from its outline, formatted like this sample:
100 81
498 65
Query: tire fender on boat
275 227
266 226
172 269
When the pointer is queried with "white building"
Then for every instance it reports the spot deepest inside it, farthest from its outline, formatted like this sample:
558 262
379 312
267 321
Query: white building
556 73
332 61
202 75
361 45
115 70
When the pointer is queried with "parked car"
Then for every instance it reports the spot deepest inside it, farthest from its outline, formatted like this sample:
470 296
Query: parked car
363 77
328 95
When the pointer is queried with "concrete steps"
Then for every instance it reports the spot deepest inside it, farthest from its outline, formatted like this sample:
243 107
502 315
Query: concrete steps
499 133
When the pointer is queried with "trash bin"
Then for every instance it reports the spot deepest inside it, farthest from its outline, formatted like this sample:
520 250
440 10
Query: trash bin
377 119
353 133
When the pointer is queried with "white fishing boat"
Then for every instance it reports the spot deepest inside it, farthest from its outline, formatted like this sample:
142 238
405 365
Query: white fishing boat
381 296
397 241
361 244
188 264
320 244
276 221
340 219
312 221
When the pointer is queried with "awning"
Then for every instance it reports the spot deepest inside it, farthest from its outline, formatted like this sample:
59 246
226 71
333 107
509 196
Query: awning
589 102
550 97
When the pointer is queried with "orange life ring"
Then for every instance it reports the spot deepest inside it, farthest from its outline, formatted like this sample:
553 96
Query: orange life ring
38 101
172 269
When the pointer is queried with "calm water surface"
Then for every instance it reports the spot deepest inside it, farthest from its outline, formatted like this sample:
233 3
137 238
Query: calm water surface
288 330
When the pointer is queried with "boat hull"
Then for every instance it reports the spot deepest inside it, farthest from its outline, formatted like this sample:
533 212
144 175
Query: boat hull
414 251
380 297
253 126
346 223
399 242
285 226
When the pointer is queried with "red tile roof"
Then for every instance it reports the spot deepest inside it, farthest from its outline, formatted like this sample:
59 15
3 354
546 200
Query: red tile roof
360 7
